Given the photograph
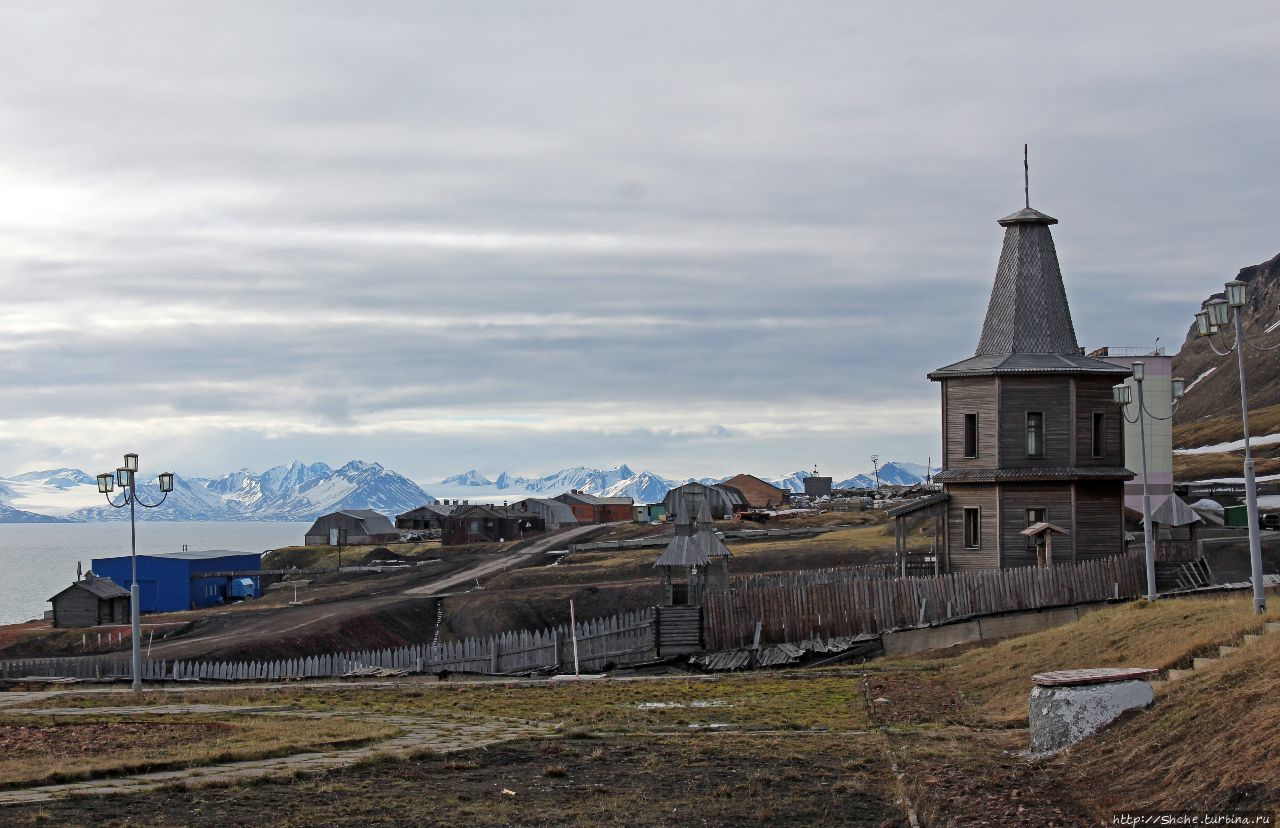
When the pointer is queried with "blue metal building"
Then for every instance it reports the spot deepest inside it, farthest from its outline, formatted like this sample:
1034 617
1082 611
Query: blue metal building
171 582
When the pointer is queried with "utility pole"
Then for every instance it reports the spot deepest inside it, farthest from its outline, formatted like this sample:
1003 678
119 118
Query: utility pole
875 464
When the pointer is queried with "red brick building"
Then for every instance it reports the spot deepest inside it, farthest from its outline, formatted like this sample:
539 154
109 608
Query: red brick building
591 509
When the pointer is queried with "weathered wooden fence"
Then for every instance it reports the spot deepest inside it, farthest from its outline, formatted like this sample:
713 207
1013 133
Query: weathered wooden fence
622 639
832 575
802 605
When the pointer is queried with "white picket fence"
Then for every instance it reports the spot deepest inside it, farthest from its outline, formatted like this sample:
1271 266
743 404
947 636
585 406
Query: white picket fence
618 640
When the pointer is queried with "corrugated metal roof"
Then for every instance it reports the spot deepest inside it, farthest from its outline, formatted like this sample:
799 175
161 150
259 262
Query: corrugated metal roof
196 554
375 523
559 512
917 504
103 588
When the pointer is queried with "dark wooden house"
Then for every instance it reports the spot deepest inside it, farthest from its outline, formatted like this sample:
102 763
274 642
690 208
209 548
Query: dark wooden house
354 526
430 517
489 524
90 602
1029 428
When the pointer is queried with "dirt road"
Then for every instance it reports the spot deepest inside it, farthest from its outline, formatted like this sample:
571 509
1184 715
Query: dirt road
502 564
391 616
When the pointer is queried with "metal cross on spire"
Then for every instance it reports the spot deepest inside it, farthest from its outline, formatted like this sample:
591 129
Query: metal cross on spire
1026 176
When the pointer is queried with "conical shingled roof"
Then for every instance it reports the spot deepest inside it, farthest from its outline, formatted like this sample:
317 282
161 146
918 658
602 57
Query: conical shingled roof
690 547
1028 328
1028 312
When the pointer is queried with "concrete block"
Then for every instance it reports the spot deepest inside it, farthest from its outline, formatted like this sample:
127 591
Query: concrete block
1250 638
1201 663
907 642
1224 650
1062 716
1271 627
1177 675
1007 626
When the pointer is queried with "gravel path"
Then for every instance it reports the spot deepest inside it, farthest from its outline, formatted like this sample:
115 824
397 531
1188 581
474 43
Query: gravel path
441 734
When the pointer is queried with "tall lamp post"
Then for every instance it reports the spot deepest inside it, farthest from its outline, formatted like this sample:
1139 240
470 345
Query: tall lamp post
1214 316
126 477
1123 395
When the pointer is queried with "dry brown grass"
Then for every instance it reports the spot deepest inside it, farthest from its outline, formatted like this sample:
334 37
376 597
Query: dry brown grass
1211 466
322 557
229 739
1213 734
1226 428
1161 635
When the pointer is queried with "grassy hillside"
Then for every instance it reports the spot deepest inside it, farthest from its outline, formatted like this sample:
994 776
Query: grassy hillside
1161 635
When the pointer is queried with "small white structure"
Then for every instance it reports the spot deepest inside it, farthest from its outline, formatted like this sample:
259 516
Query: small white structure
1070 705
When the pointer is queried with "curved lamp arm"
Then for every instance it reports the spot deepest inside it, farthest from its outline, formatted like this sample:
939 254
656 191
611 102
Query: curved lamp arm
1123 410
1147 411
1230 349
1260 347
123 503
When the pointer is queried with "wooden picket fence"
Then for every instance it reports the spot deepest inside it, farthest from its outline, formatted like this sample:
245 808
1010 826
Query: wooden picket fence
806 605
627 638
809 577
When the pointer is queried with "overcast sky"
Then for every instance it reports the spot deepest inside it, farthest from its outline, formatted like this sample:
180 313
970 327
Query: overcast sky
700 238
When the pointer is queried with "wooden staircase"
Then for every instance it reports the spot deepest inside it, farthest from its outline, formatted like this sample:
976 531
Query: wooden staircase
1172 576
678 630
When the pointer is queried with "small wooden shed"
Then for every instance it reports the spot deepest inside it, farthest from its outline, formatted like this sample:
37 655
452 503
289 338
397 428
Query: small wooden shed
90 602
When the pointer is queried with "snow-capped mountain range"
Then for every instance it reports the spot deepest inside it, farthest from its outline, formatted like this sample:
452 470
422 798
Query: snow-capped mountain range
302 491
296 491
642 487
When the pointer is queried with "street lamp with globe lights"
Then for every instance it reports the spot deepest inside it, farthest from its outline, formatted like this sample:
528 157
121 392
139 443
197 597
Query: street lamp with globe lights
1215 315
1123 396
126 478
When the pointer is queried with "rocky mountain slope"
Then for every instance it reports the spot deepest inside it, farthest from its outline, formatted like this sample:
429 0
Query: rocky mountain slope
1212 381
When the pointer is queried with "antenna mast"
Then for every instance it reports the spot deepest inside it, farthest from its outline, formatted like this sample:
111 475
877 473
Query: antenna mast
1026 176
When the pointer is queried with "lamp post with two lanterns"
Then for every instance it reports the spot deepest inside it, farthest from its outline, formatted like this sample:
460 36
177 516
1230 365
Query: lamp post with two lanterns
126 476
1215 315
1123 395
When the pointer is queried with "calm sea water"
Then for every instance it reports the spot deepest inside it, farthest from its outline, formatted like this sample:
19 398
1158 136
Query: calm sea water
39 559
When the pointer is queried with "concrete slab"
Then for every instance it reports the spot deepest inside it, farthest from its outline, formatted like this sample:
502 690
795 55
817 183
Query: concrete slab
1202 663
1061 716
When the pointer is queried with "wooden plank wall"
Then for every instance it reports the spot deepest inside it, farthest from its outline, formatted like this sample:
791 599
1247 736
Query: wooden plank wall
803 610
1049 395
970 395
1014 502
985 497
1099 525
627 638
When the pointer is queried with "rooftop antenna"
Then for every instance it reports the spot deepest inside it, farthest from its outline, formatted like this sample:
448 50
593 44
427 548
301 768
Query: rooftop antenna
1026 177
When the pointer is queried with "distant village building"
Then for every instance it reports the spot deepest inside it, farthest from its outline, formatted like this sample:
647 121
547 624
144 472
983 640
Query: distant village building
815 486
593 509
553 513
489 524
354 526
89 602
758 493
1030 431
430 517
721 500
176 581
